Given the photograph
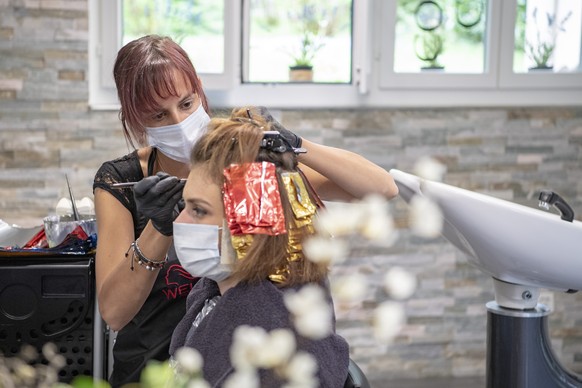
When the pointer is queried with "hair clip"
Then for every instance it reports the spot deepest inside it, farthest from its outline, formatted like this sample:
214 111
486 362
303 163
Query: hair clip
244 120
273 141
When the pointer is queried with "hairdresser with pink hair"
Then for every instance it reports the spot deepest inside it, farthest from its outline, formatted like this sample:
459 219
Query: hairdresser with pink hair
141 287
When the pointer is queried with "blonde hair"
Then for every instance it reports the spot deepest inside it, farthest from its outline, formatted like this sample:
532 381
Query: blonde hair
236 140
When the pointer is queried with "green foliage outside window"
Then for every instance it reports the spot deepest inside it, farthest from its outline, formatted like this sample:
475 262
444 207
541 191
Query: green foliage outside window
175 18
441 34
536 33
311 21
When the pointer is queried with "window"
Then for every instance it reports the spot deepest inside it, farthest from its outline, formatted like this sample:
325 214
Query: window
202 27
198 26
367 53
447 36
439 44
299 41
544 47
547 36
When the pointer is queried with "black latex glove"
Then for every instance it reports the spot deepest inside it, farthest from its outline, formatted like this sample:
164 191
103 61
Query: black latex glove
156 197
293 140
180 205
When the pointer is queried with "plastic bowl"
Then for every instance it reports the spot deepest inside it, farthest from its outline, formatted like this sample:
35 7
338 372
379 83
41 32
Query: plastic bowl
57 228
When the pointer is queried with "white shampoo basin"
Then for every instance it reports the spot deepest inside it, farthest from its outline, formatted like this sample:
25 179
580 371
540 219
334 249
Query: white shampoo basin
511 242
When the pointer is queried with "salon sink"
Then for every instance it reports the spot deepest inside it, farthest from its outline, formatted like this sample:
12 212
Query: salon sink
513 243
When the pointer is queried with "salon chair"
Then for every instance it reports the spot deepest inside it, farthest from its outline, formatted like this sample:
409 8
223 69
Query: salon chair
356 378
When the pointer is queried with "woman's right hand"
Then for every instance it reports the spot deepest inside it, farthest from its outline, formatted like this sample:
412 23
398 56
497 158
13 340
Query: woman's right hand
156 197
122 285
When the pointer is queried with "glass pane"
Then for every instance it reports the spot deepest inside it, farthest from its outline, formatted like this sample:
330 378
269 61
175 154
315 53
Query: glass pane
197 25
313 35
443 35
548 36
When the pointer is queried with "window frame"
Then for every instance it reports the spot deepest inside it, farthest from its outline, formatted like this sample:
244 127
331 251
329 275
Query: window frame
105 41
372 54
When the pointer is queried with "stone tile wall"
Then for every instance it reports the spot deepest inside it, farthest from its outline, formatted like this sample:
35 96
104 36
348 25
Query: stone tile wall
506 153
47 131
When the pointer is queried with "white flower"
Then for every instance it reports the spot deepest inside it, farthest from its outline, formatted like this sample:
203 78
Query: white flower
277 350
374 203
399 283
58 361
245 342
301 372
350 288
24 371
388 320
49 350
379 227
426 218
198 383
376 223
189 360
242 379
369 218
253 347
339 219
325 250
316 324
29 353
311 312
429 168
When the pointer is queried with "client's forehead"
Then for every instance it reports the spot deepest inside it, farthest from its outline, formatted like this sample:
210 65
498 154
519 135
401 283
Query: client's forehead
200 186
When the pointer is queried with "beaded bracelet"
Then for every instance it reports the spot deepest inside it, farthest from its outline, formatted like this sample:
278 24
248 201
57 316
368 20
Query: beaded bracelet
138 256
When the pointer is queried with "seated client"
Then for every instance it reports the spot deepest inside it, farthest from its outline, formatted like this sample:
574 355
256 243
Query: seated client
247 210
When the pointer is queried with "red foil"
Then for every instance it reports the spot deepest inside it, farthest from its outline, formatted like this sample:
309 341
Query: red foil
252 201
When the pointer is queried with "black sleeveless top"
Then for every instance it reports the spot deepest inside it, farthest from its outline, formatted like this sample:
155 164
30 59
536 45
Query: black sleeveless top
148 334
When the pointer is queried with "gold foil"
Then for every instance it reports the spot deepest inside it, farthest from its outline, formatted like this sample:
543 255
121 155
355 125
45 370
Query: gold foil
280 276
241 244
298 195
294 247
244 193
303 210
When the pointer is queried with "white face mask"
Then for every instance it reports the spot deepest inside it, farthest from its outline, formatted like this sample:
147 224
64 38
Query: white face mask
197 249
176 141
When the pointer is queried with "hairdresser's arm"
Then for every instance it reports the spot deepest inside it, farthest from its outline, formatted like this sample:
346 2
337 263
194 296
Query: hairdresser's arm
122 292
341 175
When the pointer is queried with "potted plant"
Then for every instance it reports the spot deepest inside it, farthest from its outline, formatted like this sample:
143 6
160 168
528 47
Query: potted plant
540 51
540 54
428 46
428 43
301 69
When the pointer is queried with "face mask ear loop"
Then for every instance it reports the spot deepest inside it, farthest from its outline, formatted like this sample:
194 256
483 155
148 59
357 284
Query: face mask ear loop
227 252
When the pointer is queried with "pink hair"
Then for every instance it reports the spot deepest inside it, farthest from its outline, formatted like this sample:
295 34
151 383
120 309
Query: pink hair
145 68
